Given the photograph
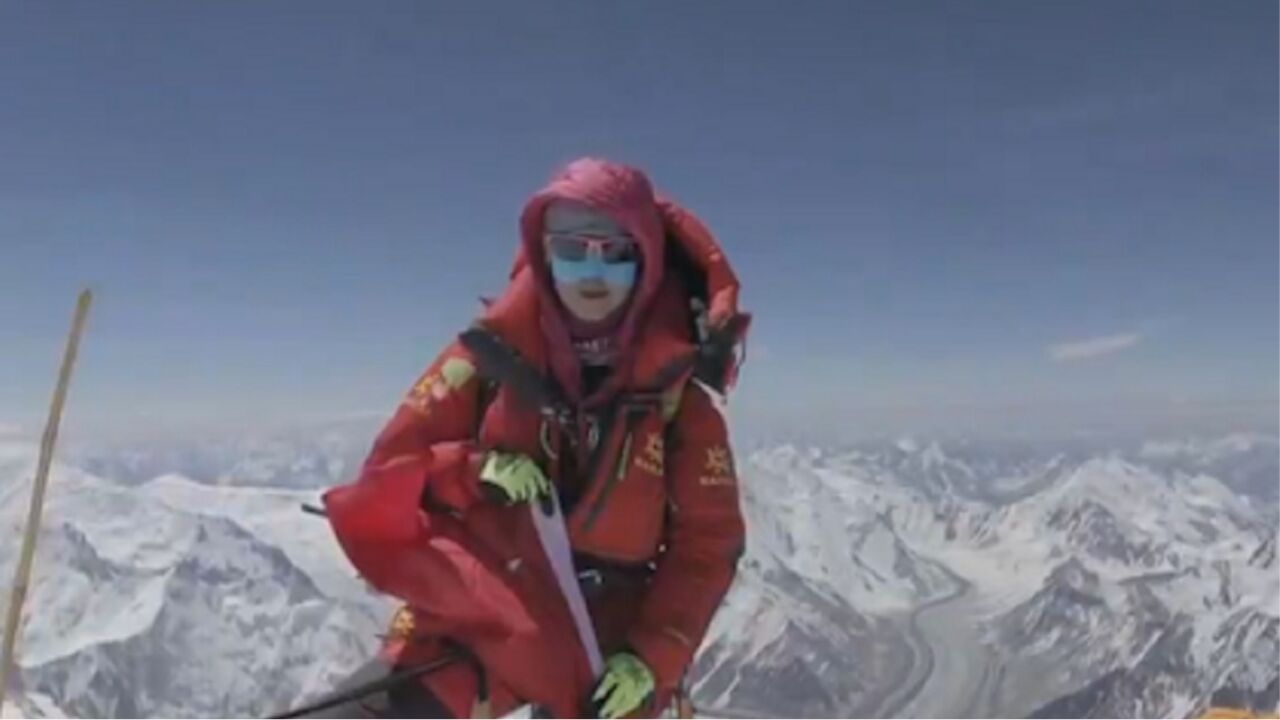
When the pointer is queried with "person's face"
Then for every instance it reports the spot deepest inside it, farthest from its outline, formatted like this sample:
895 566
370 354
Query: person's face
593 260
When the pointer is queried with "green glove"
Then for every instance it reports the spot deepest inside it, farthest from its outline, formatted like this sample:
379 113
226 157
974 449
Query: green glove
517 477
627 683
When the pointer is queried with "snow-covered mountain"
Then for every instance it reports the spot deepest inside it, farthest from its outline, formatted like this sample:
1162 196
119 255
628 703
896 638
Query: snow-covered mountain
894 579
1245 462
173 599
308 457
1111 586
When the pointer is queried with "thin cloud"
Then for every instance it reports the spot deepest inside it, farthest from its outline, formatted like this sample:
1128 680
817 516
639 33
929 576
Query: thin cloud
1093 347
11 431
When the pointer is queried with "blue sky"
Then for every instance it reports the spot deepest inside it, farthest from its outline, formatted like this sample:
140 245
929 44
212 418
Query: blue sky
981 216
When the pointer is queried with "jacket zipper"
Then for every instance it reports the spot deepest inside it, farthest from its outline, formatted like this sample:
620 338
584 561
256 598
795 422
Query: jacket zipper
619 471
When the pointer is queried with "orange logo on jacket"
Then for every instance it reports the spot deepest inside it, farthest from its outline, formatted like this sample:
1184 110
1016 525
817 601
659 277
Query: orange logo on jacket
420 394
719 467
651 460
435 385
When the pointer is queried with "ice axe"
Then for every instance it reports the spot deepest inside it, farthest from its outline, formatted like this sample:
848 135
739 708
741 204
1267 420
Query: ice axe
386 683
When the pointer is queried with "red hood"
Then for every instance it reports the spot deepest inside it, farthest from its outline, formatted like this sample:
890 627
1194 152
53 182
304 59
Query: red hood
626 195
529 314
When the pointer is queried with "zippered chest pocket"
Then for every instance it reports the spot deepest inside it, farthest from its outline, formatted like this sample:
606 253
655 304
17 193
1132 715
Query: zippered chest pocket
622 518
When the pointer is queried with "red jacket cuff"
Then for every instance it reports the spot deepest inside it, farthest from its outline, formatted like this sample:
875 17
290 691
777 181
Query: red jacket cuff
454 477
667 652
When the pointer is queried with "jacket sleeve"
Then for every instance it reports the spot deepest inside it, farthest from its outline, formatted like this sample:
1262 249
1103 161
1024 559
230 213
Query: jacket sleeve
705 538
434 428
424 455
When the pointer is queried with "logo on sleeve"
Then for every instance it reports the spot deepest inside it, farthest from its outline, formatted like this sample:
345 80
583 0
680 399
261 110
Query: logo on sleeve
436 385
718 469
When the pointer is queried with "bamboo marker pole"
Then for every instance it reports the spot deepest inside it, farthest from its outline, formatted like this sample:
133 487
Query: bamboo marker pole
23 575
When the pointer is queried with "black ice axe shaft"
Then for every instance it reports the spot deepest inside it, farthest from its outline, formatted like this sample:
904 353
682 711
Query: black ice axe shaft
367 689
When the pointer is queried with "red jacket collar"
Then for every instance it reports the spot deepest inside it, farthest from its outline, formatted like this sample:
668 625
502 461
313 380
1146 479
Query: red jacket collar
663 340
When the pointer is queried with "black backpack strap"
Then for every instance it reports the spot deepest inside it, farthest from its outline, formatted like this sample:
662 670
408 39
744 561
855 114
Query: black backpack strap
717 353
501 364
717 360
485 393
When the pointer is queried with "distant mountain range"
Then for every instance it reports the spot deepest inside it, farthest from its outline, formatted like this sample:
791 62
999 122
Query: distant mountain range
895 579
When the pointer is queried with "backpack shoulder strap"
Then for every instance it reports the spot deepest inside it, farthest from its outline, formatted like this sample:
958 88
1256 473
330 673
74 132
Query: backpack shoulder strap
502 364
718 344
